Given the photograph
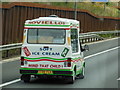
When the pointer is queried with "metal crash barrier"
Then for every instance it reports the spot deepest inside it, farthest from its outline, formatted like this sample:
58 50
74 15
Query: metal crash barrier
14 50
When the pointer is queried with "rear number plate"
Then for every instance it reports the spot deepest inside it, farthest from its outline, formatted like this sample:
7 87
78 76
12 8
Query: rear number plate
45 72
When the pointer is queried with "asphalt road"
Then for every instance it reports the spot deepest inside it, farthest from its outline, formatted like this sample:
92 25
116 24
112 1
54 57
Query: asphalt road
10 67
101 72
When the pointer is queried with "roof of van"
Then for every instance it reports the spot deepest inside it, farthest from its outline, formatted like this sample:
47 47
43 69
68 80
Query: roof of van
68 21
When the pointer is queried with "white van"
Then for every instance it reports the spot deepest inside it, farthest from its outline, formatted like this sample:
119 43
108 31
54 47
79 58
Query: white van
51 47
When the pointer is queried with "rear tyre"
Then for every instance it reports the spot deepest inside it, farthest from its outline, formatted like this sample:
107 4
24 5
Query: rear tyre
82 75
25 78
71 79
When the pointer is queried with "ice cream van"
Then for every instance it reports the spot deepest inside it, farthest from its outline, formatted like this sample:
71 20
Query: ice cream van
51 48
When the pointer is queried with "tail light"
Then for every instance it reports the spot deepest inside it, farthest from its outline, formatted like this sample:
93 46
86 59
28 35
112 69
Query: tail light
69 62
22 60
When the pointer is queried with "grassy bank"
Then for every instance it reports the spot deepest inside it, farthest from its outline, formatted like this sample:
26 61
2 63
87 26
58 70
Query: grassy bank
100 9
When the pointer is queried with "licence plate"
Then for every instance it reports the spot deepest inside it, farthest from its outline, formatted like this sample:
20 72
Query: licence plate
45 72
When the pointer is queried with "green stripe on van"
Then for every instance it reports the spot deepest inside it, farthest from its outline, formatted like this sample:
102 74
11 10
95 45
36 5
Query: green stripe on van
47 25
76 58
46 69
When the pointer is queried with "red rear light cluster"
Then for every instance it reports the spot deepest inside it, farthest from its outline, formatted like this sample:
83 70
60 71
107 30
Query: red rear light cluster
22 60
69 62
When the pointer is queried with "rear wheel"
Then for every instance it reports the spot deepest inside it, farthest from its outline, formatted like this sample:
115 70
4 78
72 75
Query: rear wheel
82 75
25 78
71 79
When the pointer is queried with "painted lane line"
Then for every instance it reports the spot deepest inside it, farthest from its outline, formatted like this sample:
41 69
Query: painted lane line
118 78
5 84
17 80
101 52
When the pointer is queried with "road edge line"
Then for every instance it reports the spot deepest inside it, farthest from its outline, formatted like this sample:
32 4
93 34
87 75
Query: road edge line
118 79
101 52
11 82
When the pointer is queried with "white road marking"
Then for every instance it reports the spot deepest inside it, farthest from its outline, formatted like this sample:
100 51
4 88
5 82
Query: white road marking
101 52
17 80
7 83
118 78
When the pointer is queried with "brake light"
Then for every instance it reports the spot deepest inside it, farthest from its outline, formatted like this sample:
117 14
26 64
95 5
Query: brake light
22 60
69 62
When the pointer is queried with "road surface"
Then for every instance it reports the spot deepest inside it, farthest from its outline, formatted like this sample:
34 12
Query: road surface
101 72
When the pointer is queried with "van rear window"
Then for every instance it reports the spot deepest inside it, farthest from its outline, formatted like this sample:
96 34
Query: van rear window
46 36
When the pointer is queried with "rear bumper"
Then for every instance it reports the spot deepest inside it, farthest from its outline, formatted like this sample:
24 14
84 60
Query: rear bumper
55 72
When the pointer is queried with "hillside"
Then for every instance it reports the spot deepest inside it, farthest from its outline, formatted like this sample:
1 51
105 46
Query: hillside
97 8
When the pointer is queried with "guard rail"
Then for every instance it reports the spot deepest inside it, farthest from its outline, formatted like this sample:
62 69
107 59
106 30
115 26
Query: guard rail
11 50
